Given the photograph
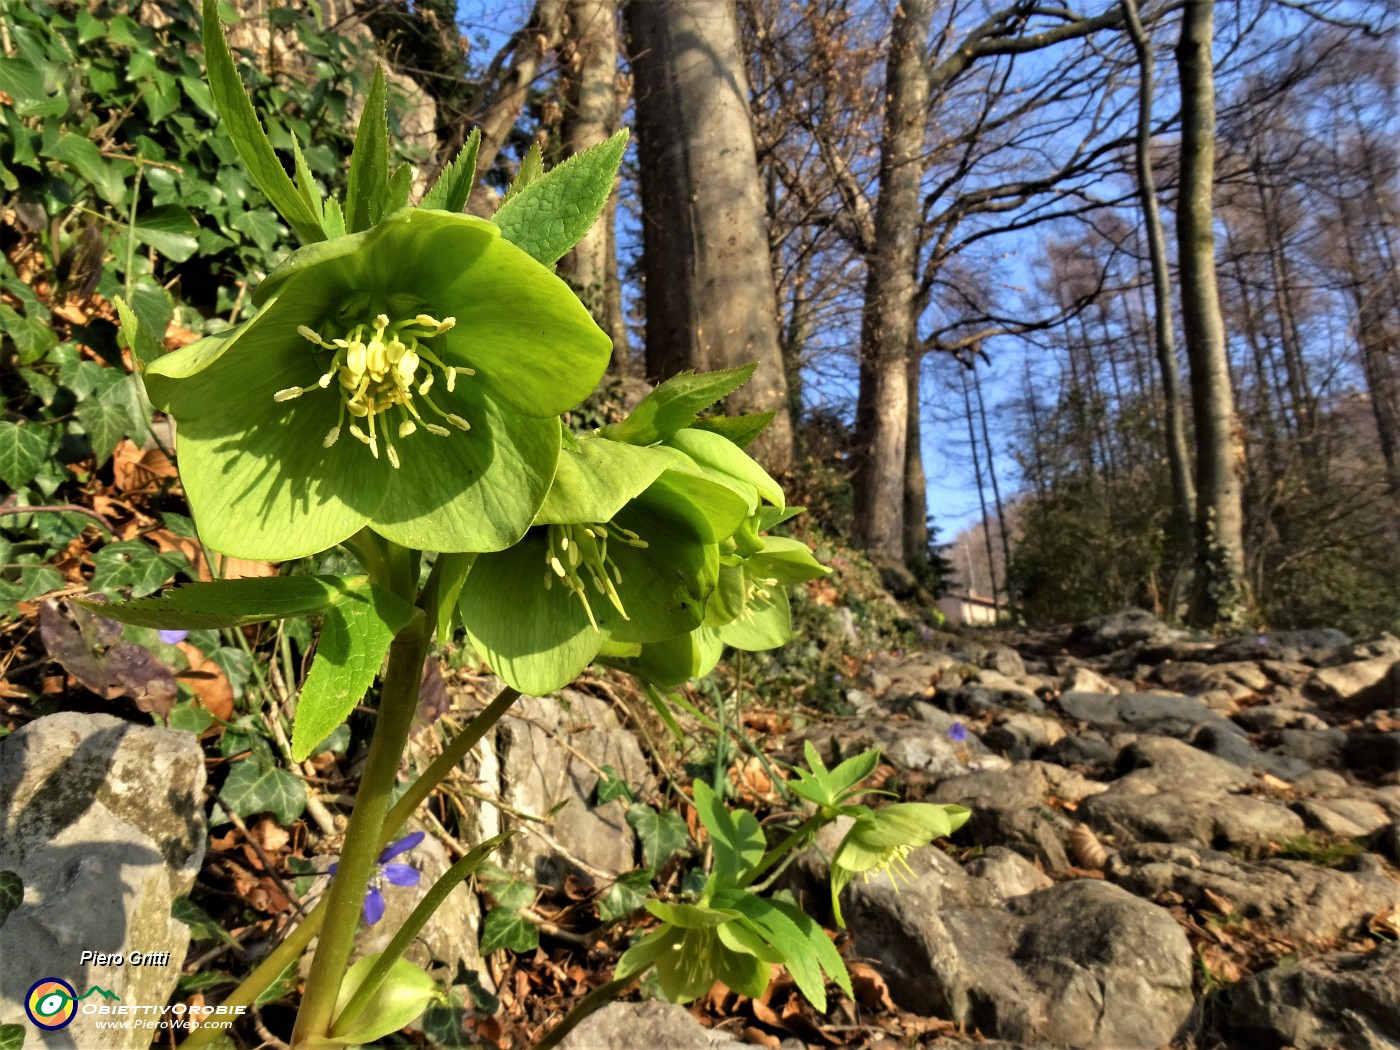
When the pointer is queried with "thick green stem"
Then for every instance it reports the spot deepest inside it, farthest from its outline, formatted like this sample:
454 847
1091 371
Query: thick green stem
345 898
590 1003
430 903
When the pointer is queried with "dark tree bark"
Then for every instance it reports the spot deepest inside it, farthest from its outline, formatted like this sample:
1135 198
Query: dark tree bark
710 301
1219 592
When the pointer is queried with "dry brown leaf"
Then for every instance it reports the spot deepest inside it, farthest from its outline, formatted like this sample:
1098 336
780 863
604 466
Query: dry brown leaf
1215 902
138 470
177 337
1085 849
1385 923
869 986
759 1037
208 682
270 835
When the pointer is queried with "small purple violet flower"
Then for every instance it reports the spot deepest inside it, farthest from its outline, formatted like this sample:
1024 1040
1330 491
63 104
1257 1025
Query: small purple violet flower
173 637
957 732
397 874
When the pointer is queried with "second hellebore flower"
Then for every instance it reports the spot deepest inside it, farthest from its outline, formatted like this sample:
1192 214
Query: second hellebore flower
407 378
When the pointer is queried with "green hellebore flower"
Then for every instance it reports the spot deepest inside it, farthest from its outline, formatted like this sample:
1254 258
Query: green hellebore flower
625 550
880 840
407 378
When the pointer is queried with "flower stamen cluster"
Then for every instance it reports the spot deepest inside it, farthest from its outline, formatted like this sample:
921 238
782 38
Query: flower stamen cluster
571 548
376 370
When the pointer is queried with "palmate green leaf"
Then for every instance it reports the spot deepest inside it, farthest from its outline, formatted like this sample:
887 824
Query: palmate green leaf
690 916
11 894
247 133
661 834
355 635
548 214
369 162
252 789
735 836
675 404
11 1036
454 184
23 450
777 929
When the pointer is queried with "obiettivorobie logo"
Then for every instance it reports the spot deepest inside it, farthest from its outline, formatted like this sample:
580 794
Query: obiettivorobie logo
52 1004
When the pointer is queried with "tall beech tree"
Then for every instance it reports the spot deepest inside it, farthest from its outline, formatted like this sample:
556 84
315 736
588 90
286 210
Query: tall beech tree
1219 594
710 301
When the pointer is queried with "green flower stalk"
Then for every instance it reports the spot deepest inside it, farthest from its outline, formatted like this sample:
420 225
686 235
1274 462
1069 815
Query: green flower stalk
405 379
880 840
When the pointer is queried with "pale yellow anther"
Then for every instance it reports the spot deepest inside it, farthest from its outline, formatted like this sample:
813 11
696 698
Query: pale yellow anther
376 368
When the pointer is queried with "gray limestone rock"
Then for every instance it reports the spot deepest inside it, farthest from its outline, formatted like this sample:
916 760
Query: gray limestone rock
1305 902
1010 807
104 822
1233 747
1159 713
549 751
1004 660
1021 736
1105 634
1342 999
1343 817
646 1026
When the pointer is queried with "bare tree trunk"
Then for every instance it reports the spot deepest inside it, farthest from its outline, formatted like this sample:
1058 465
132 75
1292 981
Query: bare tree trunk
916 533
1220 592
526 51
888 320
590 117
986 521
710 301
1178 461
992 475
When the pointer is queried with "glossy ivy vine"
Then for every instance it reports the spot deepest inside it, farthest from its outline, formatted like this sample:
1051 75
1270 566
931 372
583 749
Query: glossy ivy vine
399 391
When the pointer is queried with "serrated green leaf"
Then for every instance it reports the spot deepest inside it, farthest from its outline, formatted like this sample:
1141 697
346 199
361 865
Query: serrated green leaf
531 168
506 928
675 404
355 636
249 790
11 893
661 834
548 214
369 162
628 893
454 183
23 449
400 186
234 603
247 133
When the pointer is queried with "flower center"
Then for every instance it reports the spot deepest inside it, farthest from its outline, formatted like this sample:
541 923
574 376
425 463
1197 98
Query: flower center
571 551
383 368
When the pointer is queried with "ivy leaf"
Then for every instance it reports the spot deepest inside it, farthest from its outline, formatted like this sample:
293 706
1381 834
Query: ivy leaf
136 565
201 924
23 449
170 230
548 214
454 184
611 786
83 157
110 416
250 789
661 834
628 893
354 638
247 133
11 1036
11 894
506 928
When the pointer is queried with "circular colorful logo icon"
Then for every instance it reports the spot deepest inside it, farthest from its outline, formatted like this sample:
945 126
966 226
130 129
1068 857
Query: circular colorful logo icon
51 1003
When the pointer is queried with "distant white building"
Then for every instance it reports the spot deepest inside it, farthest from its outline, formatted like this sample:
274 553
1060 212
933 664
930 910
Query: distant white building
971 609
